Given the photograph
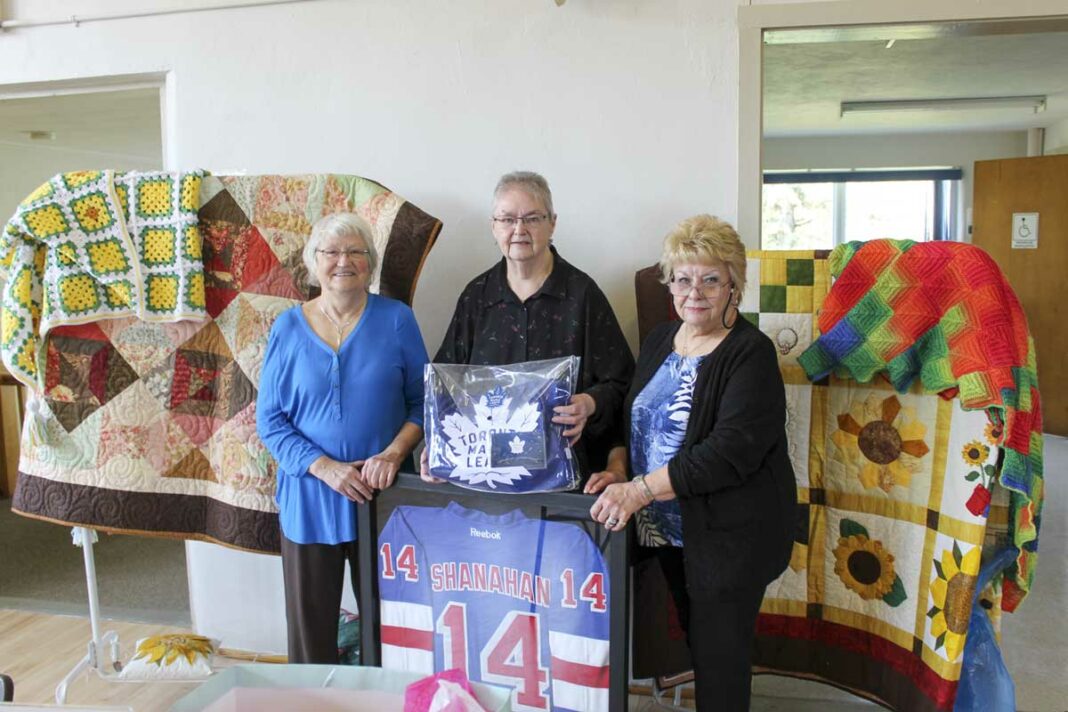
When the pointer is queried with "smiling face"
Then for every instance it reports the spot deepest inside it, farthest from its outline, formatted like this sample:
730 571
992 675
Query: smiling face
524 241
339 267
702 306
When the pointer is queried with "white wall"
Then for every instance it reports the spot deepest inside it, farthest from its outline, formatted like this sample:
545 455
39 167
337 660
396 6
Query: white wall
900 150
1057 138
24 167
628 107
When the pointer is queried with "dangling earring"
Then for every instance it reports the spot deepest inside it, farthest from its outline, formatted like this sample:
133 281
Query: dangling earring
723 316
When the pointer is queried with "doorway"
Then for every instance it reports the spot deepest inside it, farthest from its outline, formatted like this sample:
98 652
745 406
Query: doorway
44 130
865 44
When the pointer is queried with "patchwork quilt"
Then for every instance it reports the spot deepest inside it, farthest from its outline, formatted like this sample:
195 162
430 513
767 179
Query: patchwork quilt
150 427
944 314
900 501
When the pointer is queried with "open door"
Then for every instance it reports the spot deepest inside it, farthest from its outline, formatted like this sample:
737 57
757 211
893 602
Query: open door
1036 269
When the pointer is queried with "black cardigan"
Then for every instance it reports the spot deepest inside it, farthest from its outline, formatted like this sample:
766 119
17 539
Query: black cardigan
732 476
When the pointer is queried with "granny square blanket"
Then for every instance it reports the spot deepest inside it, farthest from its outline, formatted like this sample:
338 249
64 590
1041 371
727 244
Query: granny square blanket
150 427
95 245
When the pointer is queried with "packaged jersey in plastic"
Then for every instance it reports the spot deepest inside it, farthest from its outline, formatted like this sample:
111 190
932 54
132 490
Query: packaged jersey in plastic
490 427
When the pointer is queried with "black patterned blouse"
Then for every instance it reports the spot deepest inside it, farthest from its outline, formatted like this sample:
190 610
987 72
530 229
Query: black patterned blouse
568 316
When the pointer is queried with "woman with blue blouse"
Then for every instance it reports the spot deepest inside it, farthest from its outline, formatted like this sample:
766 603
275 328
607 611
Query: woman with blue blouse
340 408
712 487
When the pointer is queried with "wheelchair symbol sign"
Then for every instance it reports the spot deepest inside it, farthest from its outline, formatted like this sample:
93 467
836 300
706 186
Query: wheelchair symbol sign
1025 231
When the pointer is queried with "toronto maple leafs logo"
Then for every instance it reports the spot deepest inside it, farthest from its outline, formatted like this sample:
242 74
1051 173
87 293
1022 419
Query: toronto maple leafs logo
516 445
495 398
469 440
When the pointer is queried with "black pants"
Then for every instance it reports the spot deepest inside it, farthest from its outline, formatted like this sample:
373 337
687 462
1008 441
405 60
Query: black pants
719 629
314 577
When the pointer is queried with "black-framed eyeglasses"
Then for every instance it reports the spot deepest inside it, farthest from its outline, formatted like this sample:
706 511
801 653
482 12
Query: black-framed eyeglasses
352 254
709 286
510 221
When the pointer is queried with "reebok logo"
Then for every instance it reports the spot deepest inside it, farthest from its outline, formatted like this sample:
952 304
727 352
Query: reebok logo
485 534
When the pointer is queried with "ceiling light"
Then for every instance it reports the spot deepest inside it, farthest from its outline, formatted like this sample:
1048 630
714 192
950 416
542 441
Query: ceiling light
38 135
1035 103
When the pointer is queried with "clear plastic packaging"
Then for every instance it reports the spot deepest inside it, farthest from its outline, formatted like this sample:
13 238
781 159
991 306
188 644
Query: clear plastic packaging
490 428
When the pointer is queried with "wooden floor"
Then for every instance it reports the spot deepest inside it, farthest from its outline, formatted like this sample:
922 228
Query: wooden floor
38 650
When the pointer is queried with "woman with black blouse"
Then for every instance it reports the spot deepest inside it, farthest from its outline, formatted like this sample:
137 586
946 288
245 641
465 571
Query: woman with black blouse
713 489
534 305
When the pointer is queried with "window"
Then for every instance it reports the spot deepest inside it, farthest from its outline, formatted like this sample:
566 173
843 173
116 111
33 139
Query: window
816 210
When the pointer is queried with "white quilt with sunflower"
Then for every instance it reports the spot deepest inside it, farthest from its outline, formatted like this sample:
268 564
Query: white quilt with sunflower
95 245
896 491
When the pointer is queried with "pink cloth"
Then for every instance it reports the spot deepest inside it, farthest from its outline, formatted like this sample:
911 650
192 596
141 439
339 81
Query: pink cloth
419 694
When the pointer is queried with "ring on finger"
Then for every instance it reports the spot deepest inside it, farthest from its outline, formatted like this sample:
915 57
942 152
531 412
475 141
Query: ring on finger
612 521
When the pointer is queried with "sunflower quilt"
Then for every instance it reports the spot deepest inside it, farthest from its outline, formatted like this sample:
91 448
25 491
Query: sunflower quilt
899 497
150 427
942 313
900 502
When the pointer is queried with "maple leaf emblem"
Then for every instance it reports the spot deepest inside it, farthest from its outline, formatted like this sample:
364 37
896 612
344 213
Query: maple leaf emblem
493 413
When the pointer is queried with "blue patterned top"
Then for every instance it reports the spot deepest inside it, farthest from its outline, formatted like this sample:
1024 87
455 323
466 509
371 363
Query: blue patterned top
658 428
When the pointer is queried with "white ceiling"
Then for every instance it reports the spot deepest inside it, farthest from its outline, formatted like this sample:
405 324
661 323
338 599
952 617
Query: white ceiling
122 124
805 82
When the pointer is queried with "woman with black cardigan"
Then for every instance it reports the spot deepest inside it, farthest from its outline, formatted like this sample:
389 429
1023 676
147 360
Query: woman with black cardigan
711 483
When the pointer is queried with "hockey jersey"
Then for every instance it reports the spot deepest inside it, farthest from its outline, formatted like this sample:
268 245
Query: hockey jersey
490 427
512 601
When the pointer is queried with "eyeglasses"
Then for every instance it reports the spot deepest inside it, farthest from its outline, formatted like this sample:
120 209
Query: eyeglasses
510 221
709 286
334 255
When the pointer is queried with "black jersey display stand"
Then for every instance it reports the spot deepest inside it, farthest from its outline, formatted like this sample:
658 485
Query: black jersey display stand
557 506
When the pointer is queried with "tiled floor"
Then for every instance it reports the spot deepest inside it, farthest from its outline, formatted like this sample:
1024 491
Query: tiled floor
782 694
1035 638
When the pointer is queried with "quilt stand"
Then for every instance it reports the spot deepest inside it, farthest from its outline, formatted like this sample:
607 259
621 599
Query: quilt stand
102 655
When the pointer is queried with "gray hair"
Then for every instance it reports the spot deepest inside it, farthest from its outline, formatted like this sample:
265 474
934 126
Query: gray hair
336 225
533 183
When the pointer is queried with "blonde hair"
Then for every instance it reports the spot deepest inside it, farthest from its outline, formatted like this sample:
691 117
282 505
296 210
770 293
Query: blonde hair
704 238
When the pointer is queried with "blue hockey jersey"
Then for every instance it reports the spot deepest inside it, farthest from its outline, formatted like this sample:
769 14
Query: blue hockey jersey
511 600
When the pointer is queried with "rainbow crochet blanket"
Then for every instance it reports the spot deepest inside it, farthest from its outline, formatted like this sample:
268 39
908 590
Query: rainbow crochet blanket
943 312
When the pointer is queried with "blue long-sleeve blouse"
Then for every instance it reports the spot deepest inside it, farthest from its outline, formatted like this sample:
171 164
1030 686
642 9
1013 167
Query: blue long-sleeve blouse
347 405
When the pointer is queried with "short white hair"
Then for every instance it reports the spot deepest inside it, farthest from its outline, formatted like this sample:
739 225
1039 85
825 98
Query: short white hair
530 182
336 225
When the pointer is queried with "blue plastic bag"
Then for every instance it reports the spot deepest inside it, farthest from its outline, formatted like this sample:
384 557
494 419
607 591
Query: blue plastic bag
985 683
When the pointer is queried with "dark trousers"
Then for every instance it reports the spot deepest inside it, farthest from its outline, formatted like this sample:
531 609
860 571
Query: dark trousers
720 628
314 576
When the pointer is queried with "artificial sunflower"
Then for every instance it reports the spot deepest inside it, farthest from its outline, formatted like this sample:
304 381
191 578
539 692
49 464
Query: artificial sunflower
883 439
975 453
865 566
165 649
951 590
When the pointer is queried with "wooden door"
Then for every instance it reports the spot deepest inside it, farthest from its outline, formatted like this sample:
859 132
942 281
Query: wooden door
1039 276
11 407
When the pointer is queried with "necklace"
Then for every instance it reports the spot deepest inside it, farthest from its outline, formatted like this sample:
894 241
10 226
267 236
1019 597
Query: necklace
340 328
693 344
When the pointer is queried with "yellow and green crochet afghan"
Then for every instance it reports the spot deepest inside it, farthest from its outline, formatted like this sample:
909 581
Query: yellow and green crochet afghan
98 245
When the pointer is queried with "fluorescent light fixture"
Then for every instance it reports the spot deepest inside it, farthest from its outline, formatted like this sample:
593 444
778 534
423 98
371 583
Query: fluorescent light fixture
1036 103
